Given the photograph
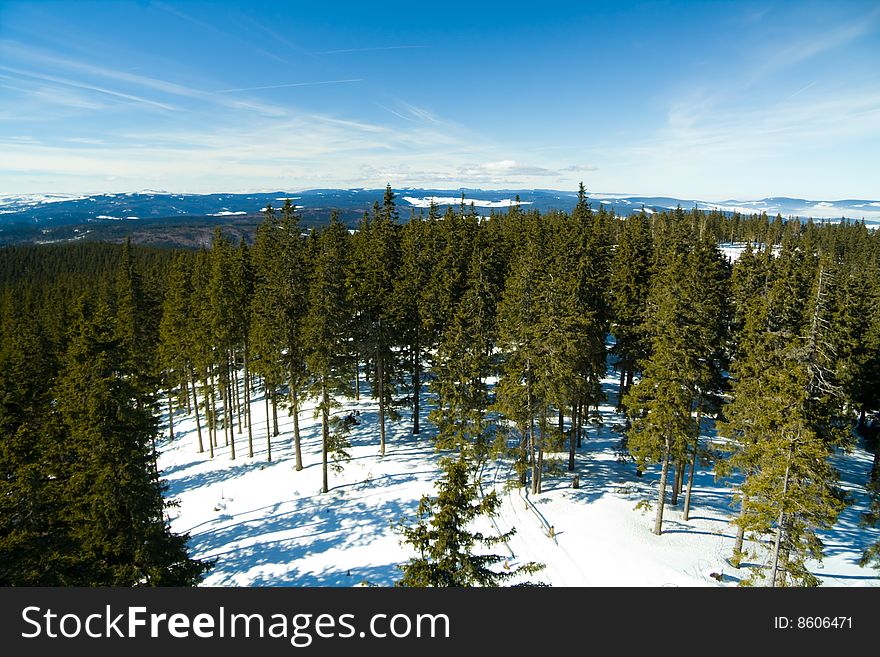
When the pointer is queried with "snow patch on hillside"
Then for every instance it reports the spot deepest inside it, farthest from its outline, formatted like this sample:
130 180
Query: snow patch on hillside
425 201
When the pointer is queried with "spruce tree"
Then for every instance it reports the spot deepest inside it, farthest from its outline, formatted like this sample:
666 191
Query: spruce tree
630 282
449 549
372 270
115 512
463 363
326 339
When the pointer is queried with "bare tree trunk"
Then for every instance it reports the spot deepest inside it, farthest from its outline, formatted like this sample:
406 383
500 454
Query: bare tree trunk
325 433
171 416
357 378
380 357
224 389
532 460
186 390
208 419
229 411
661 490
274 413
235 388
775 573
737 556
417 382
539 470
214 409
268 428
247 403
580 423
676 471
572 438
621 389
296 443
690 485
294 411
196 408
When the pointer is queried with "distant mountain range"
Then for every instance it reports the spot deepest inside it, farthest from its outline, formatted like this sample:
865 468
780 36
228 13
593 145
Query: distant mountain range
188 219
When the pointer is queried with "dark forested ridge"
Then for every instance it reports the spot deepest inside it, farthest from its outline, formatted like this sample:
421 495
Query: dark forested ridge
781 347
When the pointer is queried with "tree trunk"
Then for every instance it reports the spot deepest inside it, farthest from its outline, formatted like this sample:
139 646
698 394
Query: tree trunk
294 411
171 416
208 420
661 491
274 413
357 378
580 423
296 443
325 433
539 469
196 408
622 387
417 382
690 486
571 438
224 389
186 389
247 403
214 409
775 573
229 411
380 380
737 556
676 471
531 423
268 428
235 388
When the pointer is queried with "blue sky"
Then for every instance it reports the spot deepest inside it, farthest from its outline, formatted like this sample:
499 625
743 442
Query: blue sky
697 100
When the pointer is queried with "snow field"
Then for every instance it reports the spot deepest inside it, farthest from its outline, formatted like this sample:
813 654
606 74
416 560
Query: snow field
268 525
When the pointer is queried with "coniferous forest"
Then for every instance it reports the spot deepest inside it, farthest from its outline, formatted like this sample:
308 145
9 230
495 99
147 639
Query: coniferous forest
508 322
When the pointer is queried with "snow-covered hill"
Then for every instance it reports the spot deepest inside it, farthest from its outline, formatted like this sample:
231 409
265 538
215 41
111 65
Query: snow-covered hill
60 209
267 524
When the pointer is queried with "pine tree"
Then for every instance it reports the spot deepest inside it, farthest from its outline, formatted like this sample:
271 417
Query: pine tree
175 346
409 307
326 339
780 421
463 363
373 266
630 282
34 543
660 405
115 507
447 546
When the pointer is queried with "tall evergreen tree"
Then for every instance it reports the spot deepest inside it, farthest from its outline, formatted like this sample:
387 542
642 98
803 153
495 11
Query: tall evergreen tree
373 266
115 507
326 339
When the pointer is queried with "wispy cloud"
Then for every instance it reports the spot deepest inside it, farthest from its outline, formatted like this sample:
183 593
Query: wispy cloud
78 84
781 57
342 51
290 84
207 26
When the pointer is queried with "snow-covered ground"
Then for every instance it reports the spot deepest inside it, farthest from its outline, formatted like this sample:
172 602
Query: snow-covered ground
267 524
